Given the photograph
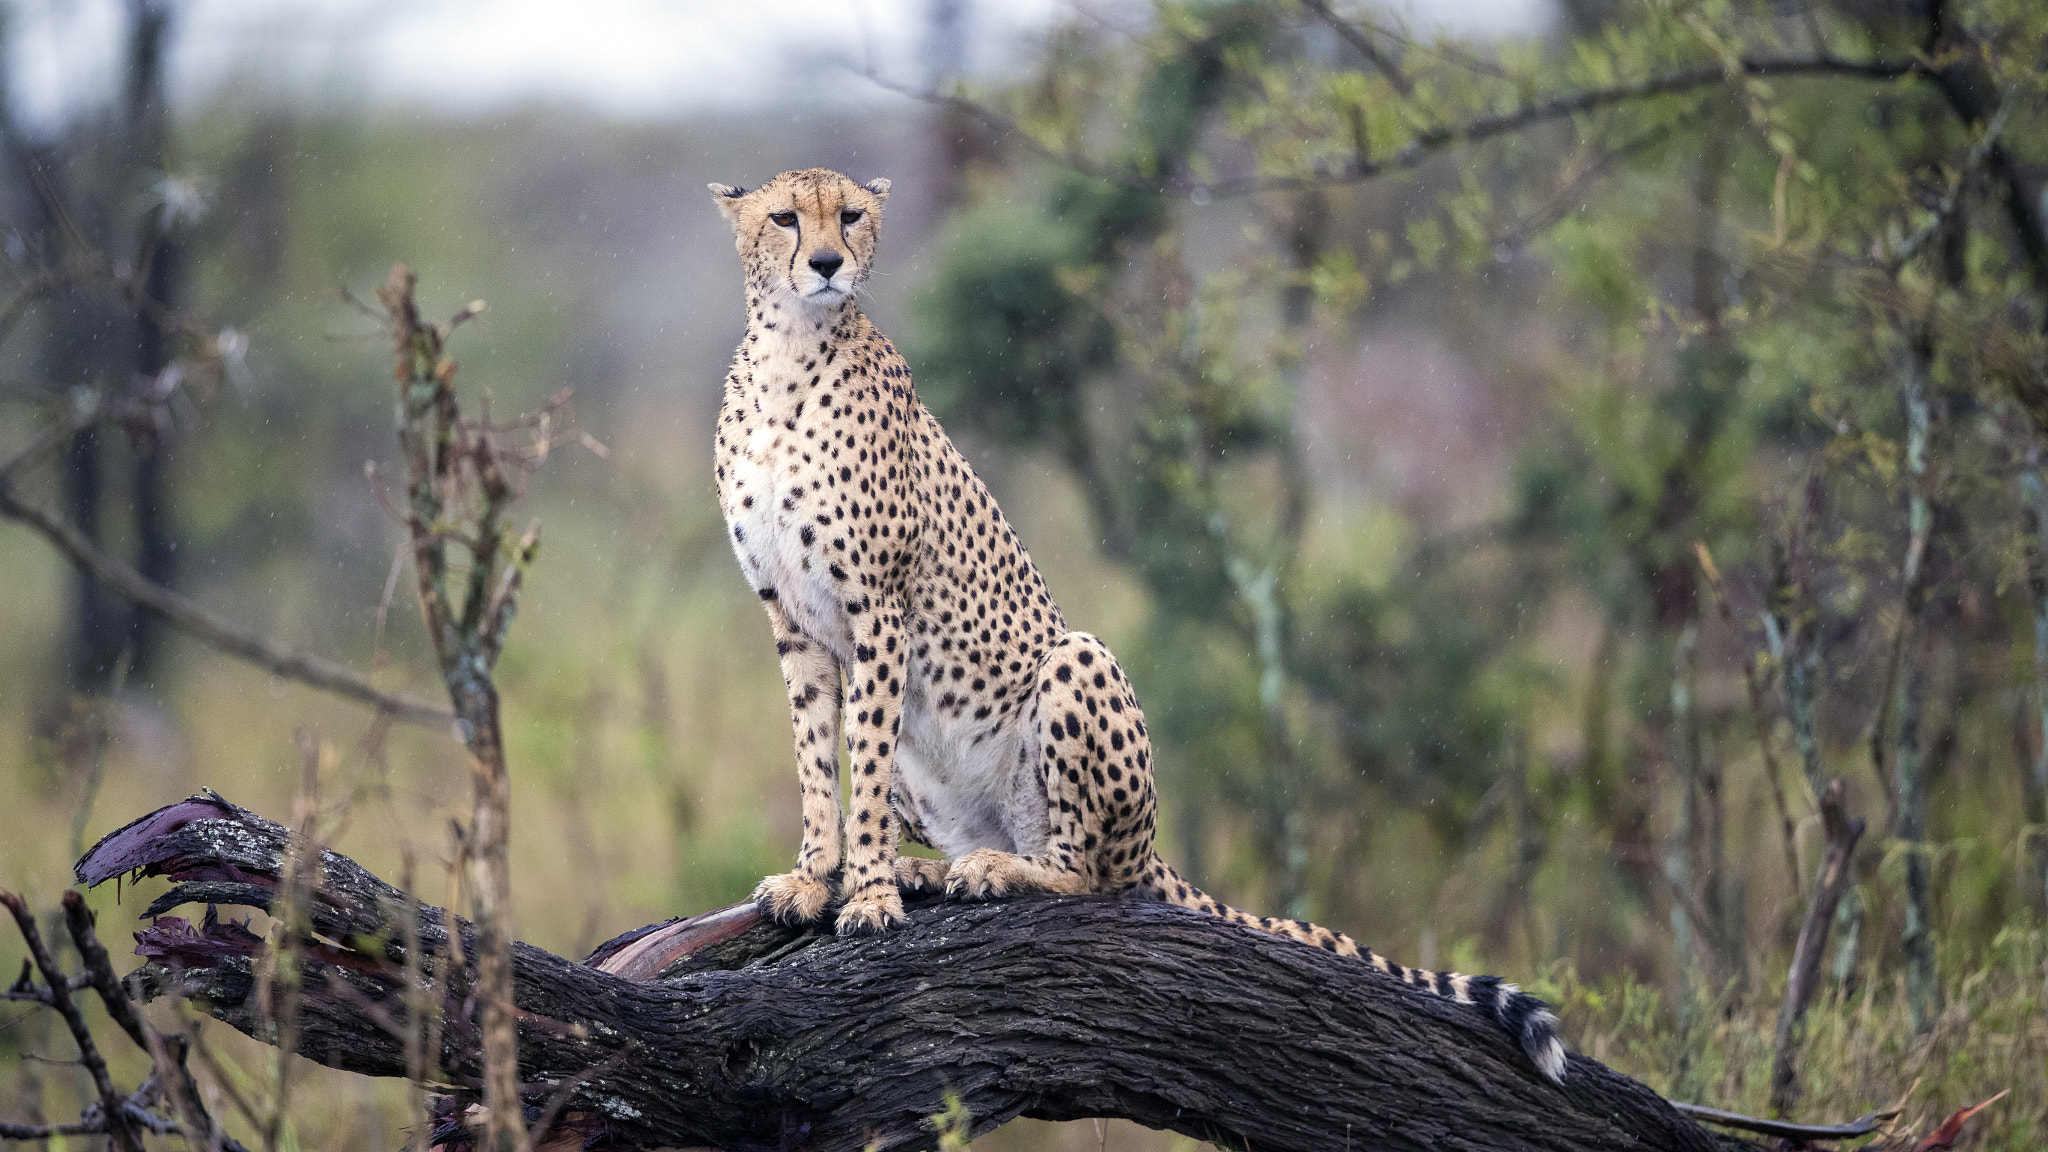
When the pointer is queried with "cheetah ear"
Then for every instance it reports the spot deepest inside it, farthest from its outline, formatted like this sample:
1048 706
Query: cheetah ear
880 187
727 197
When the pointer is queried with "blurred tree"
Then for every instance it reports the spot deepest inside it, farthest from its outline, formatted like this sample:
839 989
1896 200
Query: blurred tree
1732 224
95 209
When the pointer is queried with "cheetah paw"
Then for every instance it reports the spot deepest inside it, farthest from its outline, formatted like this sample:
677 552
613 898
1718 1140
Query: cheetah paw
793 898
986 874
914 874
871 913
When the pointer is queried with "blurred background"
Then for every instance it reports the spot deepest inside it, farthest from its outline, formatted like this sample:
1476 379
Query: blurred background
1511 513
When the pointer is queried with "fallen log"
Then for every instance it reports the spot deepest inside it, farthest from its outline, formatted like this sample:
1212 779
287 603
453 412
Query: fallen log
735 1033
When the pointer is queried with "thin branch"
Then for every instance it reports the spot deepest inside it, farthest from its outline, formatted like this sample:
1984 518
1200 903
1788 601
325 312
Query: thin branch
1573 192
1835 875
1979 152
166 1053
45 1131
1351 34
313 671
132 1113
27 991
1966 99
1912 569
1426 144
118 1126
99 970
1004 126
53 434
443 453
1447 51
18 304
1528 115
1753 683
1863 1125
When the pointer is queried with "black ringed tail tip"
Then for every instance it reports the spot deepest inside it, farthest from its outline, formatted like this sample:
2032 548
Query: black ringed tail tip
1528 1020
1525 1018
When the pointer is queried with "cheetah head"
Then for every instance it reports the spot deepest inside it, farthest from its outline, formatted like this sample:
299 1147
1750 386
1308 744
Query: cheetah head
806 236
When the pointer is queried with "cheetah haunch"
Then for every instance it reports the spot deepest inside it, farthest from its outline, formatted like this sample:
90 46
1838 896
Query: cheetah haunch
972 714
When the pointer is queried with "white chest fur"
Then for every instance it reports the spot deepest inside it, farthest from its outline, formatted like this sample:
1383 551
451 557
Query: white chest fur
773 508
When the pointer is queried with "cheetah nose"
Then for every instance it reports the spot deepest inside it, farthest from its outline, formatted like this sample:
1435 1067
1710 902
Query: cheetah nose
825 262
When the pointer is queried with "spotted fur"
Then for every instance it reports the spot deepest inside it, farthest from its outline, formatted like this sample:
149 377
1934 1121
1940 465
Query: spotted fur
905 609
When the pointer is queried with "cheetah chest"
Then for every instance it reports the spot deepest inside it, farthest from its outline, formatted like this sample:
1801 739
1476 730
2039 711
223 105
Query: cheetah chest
780 514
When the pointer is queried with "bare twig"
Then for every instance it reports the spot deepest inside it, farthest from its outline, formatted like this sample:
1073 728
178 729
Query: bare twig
455 472
134 1118
183 614
1828 885
26 991
1912 569
53 434
1901 252
280 977
166 1053
1351 34
1863 1125
1427 143
120 1127
1753 683
99 970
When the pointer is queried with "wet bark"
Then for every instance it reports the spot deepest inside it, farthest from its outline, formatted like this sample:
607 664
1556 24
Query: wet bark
731 1032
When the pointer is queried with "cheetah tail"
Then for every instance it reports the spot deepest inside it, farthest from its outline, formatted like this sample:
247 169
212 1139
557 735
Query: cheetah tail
1525 1018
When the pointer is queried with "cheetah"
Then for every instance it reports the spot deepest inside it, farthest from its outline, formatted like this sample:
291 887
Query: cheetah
905 608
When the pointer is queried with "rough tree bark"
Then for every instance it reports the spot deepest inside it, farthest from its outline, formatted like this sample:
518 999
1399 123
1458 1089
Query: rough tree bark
730 1032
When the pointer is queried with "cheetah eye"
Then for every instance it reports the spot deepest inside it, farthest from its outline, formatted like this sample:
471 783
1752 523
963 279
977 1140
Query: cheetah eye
785 219
851 216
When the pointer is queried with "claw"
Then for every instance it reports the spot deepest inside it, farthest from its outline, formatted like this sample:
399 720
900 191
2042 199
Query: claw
871 915
914 874
797 899
980 875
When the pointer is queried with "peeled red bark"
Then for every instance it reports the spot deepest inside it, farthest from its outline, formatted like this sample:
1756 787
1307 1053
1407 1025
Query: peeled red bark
734 1033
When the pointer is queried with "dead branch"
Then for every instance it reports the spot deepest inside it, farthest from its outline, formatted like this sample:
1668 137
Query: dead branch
1863 1125
122 1118
735 1033
1753 682
181 613
119 1126
459 473
1828 886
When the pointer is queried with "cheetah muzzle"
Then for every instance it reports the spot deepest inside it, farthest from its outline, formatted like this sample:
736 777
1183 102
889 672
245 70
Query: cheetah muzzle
906 611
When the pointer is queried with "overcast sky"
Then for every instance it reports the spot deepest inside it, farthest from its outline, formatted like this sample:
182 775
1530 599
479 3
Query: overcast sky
629 58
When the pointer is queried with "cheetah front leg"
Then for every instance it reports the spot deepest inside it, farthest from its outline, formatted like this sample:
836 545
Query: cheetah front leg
874 697
811 673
